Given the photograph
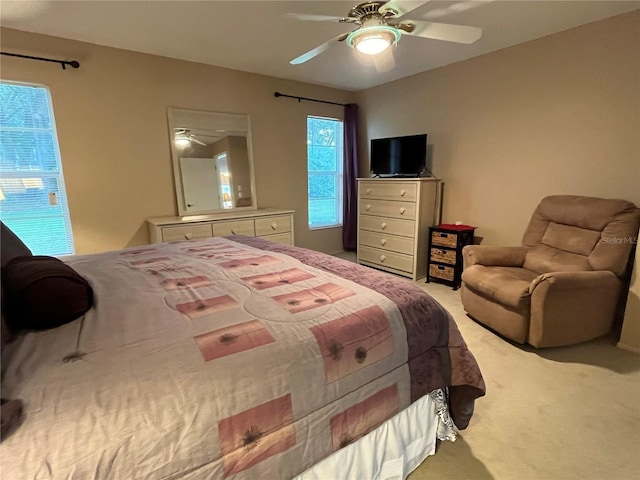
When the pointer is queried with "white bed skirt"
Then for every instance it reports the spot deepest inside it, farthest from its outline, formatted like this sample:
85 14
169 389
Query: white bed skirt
390 452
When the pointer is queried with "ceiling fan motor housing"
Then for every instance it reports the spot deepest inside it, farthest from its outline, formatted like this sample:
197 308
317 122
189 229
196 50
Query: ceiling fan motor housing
372 26
364 11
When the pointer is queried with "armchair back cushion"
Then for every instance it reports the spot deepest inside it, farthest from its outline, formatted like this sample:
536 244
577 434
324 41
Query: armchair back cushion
571 233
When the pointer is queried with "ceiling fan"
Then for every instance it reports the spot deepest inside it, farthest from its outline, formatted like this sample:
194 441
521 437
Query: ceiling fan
184 137
381 24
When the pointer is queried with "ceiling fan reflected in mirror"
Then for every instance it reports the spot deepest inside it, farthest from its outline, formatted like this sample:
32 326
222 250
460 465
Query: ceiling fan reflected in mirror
381 24
183 137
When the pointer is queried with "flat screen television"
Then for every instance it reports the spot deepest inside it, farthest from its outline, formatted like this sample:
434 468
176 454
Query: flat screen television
399 156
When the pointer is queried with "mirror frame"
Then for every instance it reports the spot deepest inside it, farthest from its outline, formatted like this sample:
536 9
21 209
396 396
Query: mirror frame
175 160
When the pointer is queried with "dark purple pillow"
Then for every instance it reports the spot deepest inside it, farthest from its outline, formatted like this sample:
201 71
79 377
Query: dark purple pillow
43 292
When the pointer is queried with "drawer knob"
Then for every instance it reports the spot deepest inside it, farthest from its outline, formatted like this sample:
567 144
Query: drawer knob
403 193
383 225
233 232
368 207
383 241
382 258
188 236
402 210
274 226
368 191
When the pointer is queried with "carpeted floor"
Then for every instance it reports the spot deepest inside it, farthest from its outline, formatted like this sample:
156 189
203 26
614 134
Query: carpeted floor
549 414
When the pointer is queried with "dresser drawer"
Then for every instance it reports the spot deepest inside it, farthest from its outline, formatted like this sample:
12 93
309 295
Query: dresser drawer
443 256
444 239
186 232
273 225
386 242
386 208
236 227
441 271
285 238
391 190
387 259
392 226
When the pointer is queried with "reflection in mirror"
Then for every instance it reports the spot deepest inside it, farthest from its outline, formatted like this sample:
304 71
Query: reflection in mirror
212 161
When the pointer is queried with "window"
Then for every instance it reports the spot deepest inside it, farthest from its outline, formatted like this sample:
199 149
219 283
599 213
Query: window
32 197
324 160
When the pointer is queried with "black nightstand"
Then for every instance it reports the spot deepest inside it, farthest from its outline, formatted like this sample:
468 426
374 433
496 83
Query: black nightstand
445 253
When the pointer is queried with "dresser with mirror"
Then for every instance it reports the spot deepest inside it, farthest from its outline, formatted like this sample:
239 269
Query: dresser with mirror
214 182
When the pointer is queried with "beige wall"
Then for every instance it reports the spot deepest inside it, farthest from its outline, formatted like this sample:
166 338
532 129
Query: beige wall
558 115
630 335
111 116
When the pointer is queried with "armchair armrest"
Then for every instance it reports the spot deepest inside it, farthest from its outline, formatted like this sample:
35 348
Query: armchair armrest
572 307
493 256
576 280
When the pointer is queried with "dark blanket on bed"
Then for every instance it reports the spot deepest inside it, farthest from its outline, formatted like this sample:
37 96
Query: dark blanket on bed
438 356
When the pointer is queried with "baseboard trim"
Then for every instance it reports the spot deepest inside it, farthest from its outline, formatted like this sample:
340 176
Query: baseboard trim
628 348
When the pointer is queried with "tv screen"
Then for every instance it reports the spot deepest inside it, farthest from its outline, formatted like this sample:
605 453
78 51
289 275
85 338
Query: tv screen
399 156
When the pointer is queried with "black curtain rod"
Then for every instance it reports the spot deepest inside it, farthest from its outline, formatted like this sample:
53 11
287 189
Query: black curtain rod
278 94
64 63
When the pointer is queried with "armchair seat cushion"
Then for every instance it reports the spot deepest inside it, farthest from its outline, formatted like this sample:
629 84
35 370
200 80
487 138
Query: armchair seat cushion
508 286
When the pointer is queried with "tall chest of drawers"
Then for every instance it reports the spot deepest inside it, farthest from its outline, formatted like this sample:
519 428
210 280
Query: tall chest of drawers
394 216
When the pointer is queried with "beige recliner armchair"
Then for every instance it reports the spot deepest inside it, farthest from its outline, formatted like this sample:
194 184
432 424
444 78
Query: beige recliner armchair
563 284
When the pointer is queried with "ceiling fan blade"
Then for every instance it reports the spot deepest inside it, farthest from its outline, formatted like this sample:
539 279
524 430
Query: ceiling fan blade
305 57
446 32
195 140
402 6
312 18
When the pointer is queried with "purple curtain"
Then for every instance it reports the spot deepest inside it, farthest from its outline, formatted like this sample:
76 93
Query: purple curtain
350 172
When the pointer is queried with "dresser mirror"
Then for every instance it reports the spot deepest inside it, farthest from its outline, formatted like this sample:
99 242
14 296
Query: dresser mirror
212 161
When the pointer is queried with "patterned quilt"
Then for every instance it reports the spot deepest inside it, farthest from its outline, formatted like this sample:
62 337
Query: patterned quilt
226 358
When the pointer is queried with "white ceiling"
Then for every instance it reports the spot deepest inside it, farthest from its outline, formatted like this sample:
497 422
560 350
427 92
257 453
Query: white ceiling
260 37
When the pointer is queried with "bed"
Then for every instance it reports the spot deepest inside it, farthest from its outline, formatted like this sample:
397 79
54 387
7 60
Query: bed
237 358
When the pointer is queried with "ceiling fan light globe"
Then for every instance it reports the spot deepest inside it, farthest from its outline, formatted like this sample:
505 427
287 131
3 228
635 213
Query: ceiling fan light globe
374 39
372 45
182 141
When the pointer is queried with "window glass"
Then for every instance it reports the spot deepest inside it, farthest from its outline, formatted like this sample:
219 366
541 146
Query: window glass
32 197
324 161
